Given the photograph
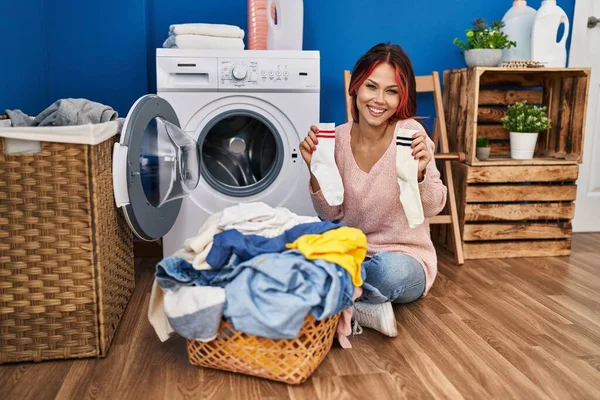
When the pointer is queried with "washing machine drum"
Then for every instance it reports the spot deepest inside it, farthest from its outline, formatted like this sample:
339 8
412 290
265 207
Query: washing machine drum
241 154
156 163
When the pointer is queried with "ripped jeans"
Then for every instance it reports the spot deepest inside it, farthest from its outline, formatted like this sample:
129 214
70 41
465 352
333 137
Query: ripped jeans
394 277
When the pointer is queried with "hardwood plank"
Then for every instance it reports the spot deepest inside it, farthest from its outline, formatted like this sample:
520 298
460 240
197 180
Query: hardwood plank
506 193
467 122
499 148
490 114
493 132
493 328
505 160
525 173
506 97
579 117
540 248
521 230
493 78
554 115
519 212
565 114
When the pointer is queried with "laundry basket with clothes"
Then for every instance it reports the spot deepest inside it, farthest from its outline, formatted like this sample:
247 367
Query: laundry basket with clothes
66 254
239 297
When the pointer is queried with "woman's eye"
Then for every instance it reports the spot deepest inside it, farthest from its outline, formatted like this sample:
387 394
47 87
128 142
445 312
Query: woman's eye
392 91
370 86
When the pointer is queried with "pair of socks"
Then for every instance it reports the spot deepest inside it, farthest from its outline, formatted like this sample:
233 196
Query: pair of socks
406 172
325 170
323 166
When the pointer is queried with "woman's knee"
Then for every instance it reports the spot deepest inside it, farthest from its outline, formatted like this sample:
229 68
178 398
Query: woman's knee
399 277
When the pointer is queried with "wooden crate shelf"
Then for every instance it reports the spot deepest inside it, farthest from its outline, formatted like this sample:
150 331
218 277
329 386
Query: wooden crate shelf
476 99
514 211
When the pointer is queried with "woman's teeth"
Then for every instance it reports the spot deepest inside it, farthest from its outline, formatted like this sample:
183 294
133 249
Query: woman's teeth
376 111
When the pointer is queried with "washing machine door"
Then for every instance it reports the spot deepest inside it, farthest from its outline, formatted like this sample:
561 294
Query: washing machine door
155 165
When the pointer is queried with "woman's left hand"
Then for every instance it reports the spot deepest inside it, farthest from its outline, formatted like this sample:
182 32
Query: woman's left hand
421 152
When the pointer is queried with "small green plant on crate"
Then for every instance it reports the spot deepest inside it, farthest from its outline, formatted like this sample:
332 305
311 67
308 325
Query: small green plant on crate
524 122
484 44
483 148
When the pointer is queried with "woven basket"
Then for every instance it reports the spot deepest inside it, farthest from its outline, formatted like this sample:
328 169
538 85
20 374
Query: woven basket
66 254
291 360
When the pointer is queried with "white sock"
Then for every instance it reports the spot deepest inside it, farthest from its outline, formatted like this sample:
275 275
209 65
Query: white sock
406 171
323 166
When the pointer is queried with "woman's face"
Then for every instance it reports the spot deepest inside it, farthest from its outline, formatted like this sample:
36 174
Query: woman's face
378 97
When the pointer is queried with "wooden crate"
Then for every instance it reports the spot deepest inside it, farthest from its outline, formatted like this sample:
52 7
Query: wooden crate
476 99
514 211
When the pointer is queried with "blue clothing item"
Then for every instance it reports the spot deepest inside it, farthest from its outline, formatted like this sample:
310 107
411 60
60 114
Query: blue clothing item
268 295
271 294
394 277
246 247
172 272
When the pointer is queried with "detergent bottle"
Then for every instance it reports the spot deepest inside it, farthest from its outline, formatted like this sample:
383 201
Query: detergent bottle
257 25
285 31
544 47
518 23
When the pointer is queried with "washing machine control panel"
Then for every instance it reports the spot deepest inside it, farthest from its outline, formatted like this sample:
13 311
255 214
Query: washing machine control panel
268 74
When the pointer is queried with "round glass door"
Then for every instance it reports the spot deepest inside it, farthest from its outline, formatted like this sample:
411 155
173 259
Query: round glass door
169 162
155 165
242 153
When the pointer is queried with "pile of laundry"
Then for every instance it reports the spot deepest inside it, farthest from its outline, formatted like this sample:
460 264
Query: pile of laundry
65 112
264 270
205 36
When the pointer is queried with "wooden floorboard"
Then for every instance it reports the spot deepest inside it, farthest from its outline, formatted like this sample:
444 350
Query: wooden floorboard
525 328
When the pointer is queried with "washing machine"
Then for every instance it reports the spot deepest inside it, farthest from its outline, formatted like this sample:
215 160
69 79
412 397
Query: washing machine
223 129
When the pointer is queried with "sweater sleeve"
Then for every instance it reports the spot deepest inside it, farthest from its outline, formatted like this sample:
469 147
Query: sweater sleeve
432 189
324 210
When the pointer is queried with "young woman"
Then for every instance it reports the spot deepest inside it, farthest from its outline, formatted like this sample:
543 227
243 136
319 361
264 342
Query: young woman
401 262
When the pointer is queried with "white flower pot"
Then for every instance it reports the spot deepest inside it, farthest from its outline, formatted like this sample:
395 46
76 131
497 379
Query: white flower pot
522 145
483 57
483 153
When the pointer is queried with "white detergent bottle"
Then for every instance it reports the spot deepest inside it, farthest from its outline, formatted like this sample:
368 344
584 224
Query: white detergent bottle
286 32
518 22
544 47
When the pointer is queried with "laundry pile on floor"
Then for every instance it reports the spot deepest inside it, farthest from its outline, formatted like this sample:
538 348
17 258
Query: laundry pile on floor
205 36
263 269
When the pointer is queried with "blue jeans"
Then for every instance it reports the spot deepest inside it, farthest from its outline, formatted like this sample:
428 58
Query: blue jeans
394 277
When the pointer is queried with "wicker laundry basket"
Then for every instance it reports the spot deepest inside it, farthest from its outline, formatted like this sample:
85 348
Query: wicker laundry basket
66 254
291 360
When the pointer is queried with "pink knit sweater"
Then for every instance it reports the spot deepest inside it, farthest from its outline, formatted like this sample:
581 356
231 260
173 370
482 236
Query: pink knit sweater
372 202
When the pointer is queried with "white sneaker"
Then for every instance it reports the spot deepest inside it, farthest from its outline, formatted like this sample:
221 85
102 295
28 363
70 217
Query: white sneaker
376 316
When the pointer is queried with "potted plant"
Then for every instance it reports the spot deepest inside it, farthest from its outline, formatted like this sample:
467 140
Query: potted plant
484 44
483 148
524 122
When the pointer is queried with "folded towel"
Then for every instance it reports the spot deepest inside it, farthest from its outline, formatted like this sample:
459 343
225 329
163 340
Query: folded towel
203 42
219 30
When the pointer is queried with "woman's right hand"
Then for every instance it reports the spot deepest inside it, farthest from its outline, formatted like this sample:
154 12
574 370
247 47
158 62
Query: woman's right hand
309 144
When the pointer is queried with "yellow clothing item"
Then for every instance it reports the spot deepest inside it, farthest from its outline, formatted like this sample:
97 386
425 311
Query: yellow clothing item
345 246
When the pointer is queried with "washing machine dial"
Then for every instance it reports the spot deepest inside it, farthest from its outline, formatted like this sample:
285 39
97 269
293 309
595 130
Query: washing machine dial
239 72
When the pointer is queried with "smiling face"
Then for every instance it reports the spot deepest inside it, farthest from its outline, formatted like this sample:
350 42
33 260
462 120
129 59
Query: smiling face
378 97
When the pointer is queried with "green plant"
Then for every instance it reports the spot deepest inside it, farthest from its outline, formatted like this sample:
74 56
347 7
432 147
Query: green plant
483 141
482 36
523 117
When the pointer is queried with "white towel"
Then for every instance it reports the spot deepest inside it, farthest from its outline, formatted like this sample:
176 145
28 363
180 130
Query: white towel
219 30
203 42
261 219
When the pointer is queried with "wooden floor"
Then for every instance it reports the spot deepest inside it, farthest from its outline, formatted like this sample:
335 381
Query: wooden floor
512 328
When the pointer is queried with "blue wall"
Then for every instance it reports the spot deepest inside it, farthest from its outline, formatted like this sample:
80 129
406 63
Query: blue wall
105 50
